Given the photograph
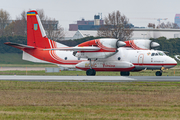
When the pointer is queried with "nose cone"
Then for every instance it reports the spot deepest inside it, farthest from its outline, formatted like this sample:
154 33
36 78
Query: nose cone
174 61
171 62
154 45
121 44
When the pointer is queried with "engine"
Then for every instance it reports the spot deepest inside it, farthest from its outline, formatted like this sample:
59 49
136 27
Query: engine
141 44
108 47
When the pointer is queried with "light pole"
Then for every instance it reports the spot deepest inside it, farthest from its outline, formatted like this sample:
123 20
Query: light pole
143 35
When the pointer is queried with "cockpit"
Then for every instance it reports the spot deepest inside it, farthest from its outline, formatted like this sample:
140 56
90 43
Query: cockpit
158 54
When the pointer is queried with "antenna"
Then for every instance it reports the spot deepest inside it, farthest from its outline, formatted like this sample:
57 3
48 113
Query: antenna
100 14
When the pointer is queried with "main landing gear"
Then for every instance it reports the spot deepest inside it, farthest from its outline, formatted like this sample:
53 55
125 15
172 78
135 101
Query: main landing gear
90 72
159 73
125 73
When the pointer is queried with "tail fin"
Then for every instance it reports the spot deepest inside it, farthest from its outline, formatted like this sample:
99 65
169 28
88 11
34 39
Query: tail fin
36 35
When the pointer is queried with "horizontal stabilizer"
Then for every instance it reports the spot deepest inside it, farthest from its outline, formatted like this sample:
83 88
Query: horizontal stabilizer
76 49
19 46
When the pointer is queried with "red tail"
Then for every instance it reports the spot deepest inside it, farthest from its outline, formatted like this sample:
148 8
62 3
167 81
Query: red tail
36 35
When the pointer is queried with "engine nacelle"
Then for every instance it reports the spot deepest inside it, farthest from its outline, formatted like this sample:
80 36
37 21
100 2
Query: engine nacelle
141 44
106 66
108 47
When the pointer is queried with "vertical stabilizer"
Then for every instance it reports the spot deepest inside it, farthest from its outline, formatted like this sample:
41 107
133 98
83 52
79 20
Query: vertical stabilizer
36 35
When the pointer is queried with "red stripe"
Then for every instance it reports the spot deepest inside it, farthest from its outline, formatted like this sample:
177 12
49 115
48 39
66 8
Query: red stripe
108 69
45 56
131 44
154 64
99 44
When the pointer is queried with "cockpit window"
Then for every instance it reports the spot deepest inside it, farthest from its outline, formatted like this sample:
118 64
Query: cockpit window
152 54
161 53
158 54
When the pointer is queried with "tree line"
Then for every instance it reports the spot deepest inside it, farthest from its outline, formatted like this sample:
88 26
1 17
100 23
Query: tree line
15 39
172 46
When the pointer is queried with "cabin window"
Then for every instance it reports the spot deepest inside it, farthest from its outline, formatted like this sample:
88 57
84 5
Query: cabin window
78 58
65 58
74 53
119 58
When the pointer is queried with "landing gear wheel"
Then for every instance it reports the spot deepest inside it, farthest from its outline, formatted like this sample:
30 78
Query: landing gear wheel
125 73
158 73
90 72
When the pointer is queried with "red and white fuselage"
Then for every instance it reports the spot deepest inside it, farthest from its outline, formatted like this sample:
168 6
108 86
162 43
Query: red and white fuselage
125 59
105 54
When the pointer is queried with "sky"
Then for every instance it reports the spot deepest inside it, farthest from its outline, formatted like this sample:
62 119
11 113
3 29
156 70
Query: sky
139 12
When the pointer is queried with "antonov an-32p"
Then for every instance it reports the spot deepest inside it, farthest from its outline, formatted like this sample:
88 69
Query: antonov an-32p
104 54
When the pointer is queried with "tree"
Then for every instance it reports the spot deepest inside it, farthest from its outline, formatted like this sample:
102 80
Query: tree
162 25
175 26
53 30
4 21
19 26
116 26
151 25
168 25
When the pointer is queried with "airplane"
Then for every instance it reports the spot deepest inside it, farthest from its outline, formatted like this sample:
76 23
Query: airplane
105 54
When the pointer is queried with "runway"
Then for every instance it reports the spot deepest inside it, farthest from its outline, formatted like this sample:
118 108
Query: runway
88 78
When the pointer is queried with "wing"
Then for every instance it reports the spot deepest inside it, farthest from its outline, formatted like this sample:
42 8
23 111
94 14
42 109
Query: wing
75 49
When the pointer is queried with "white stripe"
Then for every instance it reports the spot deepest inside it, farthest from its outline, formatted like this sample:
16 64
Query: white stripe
41 27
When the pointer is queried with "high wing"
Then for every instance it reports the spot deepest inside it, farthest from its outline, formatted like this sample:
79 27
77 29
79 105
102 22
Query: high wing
76 48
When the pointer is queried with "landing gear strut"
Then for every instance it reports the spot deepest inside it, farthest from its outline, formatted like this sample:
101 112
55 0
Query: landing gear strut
159 73
125 73
90 72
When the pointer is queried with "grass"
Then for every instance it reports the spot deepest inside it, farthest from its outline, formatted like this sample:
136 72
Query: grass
77 100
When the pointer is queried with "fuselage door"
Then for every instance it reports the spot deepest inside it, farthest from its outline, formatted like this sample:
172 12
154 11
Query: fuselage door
141 59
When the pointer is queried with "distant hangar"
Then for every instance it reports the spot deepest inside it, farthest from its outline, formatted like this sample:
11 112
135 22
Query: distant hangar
138 33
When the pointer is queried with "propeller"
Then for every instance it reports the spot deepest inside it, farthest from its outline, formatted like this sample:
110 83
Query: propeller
177 57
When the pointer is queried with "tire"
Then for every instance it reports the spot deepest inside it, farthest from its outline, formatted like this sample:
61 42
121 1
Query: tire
126 73
90 72
158 73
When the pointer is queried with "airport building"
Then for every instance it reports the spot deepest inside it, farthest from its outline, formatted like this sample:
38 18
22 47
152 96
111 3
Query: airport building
87 24
138 33
177 19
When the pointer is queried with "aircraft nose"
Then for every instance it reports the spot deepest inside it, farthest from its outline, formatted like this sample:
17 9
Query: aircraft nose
173 61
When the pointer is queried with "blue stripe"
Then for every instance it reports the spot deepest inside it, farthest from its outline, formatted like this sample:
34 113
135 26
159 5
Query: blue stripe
31 13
